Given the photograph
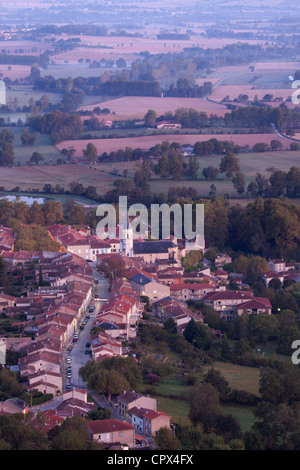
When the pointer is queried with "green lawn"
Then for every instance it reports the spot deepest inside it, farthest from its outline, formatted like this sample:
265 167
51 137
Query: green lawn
269 352
177 409
172 387
243 414
240 377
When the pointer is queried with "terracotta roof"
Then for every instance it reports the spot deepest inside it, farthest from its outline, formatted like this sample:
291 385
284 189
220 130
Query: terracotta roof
228 295
271 274
128 397
152 414
147 413
253 304
220 272
192 286
79 242
108 426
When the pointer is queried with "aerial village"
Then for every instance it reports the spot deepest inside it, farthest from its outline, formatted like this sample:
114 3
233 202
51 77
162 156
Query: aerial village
105 284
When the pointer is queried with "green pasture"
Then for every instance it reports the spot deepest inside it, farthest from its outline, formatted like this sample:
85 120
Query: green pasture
177 409
243 414
240 377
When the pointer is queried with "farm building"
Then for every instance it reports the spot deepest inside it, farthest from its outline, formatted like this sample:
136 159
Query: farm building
168 125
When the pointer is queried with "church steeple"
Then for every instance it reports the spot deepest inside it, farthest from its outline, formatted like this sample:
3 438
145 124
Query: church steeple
127 239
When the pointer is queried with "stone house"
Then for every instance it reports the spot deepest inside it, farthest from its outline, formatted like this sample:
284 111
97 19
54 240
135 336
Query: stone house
147 422
112 431
129 400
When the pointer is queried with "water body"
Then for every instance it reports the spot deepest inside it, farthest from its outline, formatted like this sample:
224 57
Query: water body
29 200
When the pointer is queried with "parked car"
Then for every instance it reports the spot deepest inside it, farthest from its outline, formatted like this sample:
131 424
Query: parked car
88 345
69 375
68 360
87 351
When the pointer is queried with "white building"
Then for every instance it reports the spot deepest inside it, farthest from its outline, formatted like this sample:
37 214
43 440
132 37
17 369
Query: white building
2 351
127 240
2 93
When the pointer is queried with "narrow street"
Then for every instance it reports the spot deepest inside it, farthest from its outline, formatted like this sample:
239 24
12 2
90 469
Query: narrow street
78 355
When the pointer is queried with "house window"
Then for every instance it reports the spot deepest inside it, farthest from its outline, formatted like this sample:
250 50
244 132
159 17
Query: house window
120 434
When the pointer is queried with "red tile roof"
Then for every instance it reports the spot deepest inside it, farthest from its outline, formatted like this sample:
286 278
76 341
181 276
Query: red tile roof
108 426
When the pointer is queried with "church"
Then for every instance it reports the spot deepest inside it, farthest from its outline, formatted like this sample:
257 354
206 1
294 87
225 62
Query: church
150 250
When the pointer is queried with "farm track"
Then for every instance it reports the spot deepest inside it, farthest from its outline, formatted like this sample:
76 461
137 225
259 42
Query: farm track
206 98
38 170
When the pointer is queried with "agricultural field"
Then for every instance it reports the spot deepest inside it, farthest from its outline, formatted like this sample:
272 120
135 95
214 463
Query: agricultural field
102 175
233 91
135 107
114 47
25 47
25 92
14 72
267 78
35 177
146 142
250 164
66 70
43 146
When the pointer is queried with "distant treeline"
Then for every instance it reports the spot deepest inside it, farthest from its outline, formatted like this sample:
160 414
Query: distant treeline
259 117
196 59
8 59
65 126
282 117
120 86
60 126
184 88
86 29
266 227
94 86
174 36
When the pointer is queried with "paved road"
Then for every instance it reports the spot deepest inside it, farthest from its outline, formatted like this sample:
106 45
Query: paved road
77 355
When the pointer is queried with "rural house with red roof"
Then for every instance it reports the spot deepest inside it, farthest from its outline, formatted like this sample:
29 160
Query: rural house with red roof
112 431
